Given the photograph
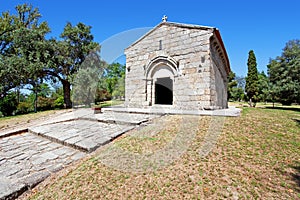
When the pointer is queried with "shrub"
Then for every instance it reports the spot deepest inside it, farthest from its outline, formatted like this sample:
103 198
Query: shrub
24 107
8 104
59 102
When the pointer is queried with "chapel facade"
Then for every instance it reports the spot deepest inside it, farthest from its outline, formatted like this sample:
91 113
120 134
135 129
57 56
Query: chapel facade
180 66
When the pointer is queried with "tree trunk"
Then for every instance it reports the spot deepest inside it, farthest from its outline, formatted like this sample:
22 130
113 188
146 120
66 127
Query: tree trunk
250 102
35 100
67 93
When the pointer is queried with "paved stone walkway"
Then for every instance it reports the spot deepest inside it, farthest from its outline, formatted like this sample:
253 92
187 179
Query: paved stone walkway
27 158
84 135
231 111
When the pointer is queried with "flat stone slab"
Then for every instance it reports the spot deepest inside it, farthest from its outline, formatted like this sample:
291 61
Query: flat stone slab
121 117
166 109
86 135
27 159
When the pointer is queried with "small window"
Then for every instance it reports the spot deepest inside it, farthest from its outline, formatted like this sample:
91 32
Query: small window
160 44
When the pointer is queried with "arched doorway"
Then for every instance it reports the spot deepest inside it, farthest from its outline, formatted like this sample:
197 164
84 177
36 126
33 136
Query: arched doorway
164 91
160 74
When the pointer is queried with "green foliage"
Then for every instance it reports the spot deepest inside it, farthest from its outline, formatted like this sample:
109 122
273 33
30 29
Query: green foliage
8 104
119 90
235 88
44 90
59 102
86 81
23 48
113 73
237 94
284 74
232 83
263 87
24 107
45 103
251 87
69 53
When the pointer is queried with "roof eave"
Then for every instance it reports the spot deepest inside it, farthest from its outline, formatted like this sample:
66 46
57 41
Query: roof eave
218 35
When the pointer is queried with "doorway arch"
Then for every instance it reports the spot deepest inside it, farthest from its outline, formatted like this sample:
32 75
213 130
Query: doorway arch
160 74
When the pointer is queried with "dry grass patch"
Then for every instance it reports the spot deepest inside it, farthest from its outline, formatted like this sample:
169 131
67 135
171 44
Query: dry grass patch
19 120
257 156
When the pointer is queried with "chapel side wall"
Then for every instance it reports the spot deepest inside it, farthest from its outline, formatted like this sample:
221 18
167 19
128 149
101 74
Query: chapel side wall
218 80
134 81
190 48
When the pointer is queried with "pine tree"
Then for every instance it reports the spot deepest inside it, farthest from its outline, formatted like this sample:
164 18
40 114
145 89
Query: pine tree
252 79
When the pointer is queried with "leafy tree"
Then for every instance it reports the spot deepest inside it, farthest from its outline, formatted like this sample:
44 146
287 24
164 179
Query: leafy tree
252 79
87 78
263 87
238 94
232 83
113 73
284 74
119 90
69 53
23 48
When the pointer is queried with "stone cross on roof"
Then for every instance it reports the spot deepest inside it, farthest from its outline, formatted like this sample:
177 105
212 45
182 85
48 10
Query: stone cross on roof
165 18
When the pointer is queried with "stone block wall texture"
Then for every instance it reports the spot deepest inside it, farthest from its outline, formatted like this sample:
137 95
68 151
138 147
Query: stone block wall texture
194 56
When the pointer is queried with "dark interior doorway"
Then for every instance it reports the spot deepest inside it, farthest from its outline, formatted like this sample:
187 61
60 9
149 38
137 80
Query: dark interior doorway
164 91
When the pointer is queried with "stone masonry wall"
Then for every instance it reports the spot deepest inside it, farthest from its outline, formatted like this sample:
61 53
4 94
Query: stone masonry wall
218 78
190 47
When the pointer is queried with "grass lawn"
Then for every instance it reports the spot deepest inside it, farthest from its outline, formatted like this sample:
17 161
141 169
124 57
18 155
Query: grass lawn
111 103
256 156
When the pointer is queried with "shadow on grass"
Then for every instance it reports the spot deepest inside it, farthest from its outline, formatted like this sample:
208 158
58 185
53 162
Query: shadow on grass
284 108
297 121
296 176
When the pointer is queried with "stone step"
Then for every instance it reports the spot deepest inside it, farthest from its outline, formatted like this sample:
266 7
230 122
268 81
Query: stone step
84 135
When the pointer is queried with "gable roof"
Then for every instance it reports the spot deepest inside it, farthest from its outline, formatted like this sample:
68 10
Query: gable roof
189 26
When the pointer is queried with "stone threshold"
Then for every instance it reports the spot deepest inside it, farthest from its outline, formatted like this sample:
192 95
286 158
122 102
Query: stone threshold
162 110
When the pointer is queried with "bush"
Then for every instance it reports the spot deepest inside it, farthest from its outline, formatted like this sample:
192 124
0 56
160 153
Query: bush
59 102
24 108
45 103
8 104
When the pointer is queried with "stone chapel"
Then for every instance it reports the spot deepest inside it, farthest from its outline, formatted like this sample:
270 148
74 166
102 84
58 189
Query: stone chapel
180 66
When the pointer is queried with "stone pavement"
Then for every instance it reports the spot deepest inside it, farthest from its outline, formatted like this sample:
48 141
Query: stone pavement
27 158
81 134
231 111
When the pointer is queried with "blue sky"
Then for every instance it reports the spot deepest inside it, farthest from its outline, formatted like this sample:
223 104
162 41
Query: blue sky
262 25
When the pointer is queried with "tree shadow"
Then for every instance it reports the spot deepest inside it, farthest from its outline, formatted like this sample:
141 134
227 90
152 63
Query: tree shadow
284 108
297 121
296 176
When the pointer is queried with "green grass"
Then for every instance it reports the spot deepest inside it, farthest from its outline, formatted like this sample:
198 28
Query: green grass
257 156
111 103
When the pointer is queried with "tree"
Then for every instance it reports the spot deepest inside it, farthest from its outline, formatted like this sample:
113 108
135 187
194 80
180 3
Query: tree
113 73
263 87
232 83
87 79
23 48
252 79
69 53
119 90
284 74
235 87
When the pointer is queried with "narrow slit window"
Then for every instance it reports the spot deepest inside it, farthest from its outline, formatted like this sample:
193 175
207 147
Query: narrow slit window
160 44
